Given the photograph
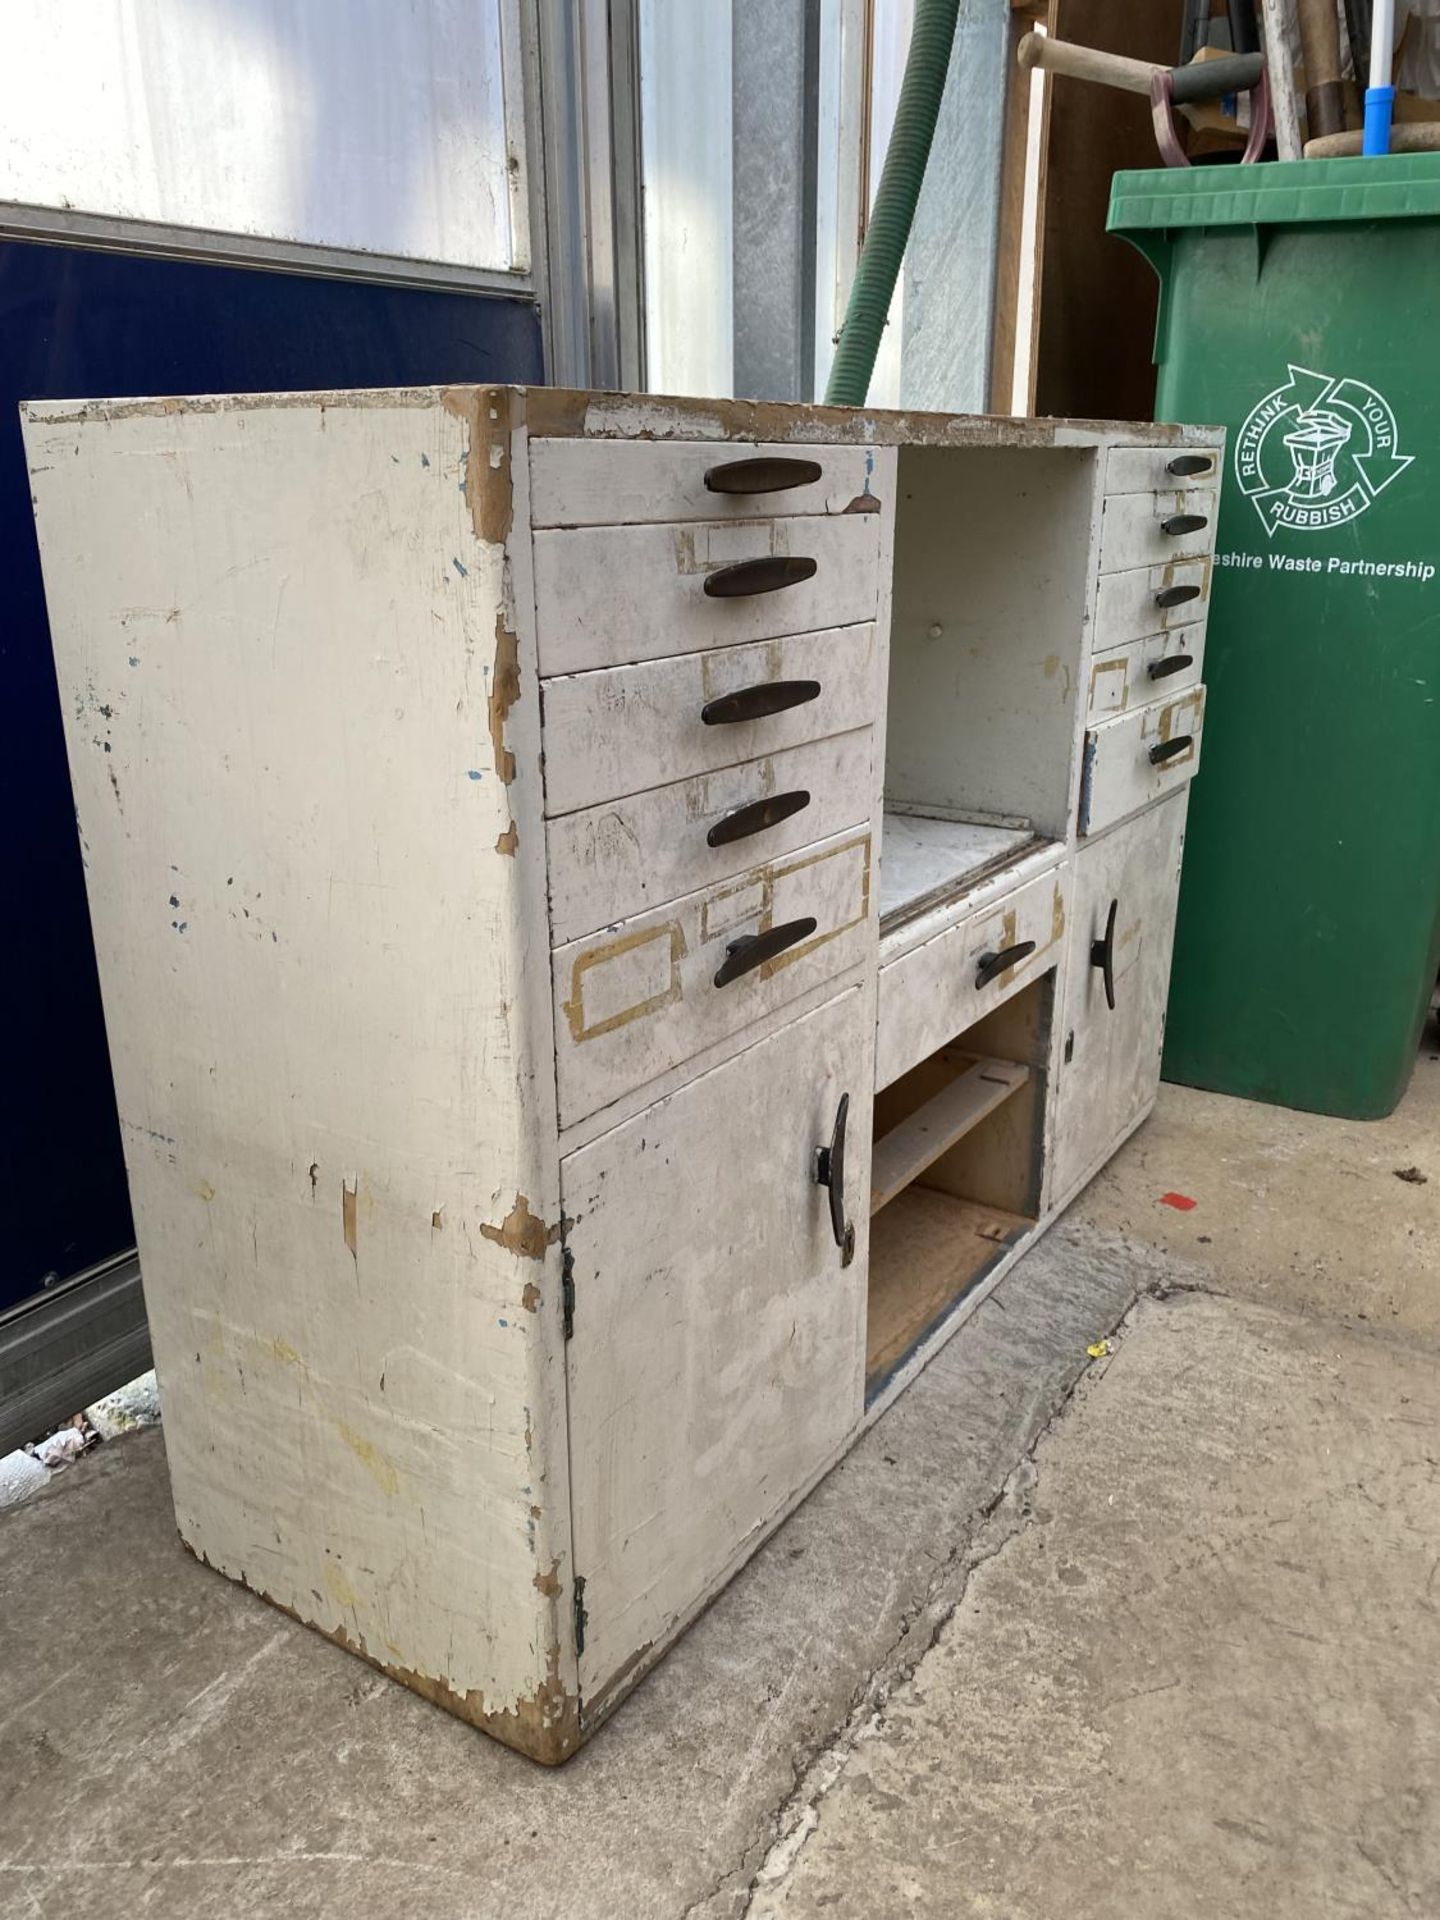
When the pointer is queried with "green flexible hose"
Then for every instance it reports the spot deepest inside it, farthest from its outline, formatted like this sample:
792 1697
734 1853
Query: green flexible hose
890 220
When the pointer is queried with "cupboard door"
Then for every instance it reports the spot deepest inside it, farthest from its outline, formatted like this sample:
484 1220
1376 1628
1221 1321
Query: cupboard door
717 1359
1110 1057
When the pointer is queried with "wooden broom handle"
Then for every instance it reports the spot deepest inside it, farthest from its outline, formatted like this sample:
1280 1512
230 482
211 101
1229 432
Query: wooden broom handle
1087 63
1320 48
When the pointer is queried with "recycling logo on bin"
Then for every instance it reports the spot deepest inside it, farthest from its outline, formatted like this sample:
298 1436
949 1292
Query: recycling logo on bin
1316 452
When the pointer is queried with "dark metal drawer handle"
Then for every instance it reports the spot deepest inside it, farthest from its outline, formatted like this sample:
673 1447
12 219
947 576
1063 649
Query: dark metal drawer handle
830 1172
743 956
754 703
1102 955
993 964
1176 596
1173 663
762 476
755 817
1179 523
1186 464
1168 749
776 570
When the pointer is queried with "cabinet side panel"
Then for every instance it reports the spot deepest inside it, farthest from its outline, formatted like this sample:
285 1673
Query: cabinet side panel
304 743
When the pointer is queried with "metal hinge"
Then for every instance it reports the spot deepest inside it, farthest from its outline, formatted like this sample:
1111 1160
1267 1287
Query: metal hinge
581 1616
567 1292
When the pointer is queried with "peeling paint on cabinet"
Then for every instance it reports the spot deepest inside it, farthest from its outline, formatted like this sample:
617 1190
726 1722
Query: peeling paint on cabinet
485 1043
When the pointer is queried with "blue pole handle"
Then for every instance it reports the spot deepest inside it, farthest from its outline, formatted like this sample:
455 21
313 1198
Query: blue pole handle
1379 103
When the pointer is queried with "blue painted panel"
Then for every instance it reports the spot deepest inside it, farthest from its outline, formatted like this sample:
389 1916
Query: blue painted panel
76 323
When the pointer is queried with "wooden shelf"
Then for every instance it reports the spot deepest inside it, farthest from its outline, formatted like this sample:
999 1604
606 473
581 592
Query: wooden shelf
904 1153
927 1251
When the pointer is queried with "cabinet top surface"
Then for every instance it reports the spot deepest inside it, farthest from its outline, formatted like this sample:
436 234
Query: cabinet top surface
560 412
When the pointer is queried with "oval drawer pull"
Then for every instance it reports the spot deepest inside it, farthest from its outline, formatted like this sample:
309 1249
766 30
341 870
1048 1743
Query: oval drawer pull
1176 596
755 817
1179 523
1173 663
743 956
1185 465
769 575
771 475
993 964
1102 955
1168 749
754 703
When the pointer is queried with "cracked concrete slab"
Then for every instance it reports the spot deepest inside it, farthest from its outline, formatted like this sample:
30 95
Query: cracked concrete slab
1194 1672
172 1739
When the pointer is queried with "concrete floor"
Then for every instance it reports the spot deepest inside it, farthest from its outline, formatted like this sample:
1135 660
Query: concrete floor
1155 1636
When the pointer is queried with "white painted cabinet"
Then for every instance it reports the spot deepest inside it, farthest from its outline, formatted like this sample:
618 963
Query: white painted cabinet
485 799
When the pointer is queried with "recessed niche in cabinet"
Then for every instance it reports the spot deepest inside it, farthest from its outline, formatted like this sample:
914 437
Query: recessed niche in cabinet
987 631
956 1174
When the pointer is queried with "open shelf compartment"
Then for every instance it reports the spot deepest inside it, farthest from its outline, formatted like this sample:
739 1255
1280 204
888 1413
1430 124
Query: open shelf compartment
987 632
956 1175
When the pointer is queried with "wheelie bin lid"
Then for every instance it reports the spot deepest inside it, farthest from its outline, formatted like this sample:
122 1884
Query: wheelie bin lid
1399 186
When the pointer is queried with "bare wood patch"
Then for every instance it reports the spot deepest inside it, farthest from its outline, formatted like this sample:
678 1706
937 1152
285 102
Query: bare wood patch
524 1233
489 493
504 692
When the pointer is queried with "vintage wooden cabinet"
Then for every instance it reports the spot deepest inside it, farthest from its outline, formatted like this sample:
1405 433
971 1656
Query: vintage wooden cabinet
619 919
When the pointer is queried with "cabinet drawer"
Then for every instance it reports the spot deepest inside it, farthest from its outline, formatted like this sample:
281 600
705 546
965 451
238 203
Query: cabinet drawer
933 992
1133 527
1160 666
1153 469
605 596
591 483
1147 600
1138 757
624 729
611 861
637 999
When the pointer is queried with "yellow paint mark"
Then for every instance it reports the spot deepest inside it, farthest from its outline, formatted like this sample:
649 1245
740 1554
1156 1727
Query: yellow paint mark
1118 663
370 1457
205 1191
862 908
286 1354
612 950
524 1233
1057 917
348 1225
1052 665
339 1588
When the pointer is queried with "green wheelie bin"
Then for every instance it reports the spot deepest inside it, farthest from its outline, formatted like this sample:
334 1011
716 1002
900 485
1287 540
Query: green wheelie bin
1300 309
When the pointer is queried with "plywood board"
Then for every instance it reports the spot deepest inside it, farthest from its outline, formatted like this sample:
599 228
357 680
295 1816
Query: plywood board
927 1250
904 1153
